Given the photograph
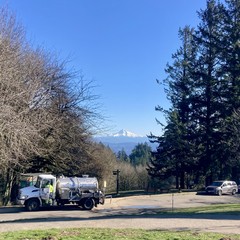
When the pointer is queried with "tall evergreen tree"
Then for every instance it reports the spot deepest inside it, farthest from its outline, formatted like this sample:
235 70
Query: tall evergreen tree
231 53
206 108
140 155
204 89
230 71
176 139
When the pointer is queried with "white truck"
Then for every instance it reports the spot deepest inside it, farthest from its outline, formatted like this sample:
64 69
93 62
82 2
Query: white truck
82 191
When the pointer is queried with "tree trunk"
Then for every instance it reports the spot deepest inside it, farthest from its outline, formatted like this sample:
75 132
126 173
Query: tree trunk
182 180
7 187
177 182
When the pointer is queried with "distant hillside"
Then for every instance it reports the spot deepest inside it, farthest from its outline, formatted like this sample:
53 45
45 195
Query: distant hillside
123 140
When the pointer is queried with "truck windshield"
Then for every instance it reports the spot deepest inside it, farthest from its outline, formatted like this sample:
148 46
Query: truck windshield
37 184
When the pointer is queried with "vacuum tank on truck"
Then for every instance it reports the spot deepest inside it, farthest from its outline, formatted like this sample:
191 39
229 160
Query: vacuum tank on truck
51 191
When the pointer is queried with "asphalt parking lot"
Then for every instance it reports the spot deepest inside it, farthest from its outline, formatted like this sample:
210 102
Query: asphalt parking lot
129 212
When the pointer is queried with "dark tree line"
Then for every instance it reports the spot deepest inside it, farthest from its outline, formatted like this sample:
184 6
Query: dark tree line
200 142
140 155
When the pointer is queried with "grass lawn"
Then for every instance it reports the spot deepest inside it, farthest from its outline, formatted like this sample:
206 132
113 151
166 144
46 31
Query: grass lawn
231 208
91 233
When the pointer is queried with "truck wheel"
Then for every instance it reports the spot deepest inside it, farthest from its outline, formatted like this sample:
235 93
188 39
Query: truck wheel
32 205
102 200
219 193
88 204
60 204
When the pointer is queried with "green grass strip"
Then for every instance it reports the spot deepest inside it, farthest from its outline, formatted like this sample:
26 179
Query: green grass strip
92 233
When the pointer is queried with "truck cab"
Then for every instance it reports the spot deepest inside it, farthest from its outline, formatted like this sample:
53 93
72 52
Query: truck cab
33 197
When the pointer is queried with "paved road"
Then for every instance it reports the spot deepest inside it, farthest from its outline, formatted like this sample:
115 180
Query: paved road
129 212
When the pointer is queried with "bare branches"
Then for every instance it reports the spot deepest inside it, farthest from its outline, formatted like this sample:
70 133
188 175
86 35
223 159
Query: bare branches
47 112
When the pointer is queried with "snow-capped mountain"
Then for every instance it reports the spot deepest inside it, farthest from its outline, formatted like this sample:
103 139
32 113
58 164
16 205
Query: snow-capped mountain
122 136
122 140
125 133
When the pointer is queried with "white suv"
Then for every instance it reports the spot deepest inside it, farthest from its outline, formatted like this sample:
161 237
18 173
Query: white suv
222 187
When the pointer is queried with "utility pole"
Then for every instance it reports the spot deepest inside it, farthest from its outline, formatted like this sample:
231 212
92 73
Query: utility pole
117 174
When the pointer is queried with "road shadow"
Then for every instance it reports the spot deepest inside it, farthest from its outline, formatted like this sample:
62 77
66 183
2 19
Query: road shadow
18 209
11 209
129 214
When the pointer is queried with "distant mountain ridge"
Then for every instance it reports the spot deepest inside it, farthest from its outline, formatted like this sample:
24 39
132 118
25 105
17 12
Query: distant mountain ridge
122 140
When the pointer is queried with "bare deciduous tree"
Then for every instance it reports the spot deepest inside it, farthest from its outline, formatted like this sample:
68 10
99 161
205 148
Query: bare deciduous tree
46 112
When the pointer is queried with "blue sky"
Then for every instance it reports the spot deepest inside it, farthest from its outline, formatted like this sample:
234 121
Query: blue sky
123 45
